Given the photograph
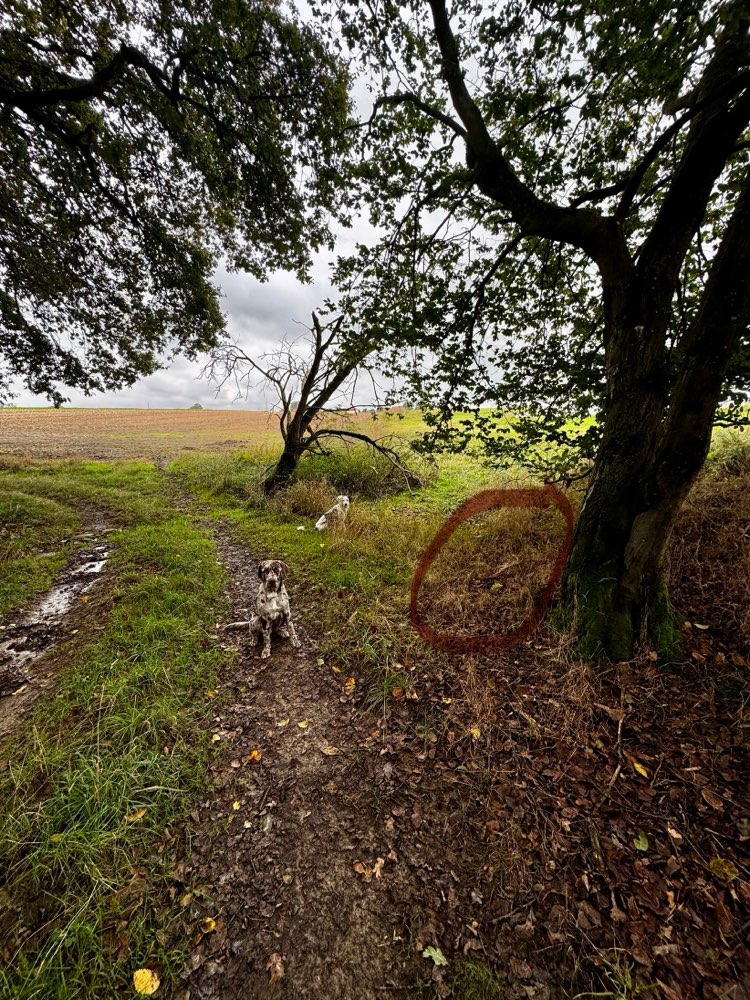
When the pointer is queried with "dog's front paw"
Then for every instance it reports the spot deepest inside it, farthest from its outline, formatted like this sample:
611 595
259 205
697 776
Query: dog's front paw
265 653
284 633
296 643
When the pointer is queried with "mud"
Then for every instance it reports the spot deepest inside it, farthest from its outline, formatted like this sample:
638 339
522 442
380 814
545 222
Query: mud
27 641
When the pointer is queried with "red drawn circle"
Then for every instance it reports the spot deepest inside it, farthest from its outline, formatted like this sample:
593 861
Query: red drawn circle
547 496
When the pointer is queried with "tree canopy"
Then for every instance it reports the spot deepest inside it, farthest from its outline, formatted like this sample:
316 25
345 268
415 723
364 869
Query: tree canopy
517 154
565 191
138 143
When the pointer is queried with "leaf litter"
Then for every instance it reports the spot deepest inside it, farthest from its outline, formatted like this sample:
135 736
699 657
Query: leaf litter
591 820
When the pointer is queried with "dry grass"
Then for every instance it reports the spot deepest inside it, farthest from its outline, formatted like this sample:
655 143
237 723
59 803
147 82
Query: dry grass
710 548
487 576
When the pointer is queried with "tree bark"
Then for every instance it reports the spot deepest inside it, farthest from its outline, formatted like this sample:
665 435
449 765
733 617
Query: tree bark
653 447
282 472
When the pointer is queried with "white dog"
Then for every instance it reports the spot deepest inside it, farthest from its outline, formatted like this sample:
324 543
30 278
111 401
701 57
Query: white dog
337 514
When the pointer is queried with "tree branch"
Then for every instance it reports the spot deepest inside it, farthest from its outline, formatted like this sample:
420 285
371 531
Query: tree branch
411 478
599 237
428 109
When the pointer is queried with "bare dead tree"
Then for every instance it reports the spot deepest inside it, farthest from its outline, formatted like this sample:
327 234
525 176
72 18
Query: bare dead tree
312 377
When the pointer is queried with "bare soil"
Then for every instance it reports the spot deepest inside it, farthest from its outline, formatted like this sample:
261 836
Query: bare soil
296 854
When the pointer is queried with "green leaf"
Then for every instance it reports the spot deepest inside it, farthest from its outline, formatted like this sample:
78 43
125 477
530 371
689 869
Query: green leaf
641 841
436 955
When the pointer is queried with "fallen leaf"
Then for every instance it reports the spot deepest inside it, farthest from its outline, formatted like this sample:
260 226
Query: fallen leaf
397 693
364 870
215 738
641 841
282 722
674 834
275 966
235 805
335 669
639 767
84 598
254 756
135 816
713 800
303 724
377 868
475 732
723 868
210 693
56 837
74 631
208 924
436 955
186 899
329 751
146 982
349 684
704 627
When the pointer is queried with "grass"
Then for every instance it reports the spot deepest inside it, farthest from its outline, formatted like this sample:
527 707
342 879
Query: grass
103 770
474 981
126 730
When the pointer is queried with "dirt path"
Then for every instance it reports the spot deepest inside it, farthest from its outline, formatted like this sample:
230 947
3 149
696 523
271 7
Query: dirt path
296 854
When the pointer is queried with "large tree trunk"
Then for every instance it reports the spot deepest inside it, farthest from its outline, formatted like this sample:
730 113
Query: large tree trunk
614 578
654 444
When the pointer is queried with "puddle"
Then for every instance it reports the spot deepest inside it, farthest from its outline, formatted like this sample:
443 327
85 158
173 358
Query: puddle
42 626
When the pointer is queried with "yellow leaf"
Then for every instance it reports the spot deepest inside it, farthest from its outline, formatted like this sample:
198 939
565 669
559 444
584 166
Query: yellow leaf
146 982
703 627
56 837
208 924
74 631
304 724
210 693
475 732
84 597
135 816
335 669
254 755
723 868
215 738
640 768
349 685
282 722
235 805
447 701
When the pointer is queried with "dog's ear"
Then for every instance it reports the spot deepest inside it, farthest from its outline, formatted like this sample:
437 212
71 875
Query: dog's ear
261 570
284 567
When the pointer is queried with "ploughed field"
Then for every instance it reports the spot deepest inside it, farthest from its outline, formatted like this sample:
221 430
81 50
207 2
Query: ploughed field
130 433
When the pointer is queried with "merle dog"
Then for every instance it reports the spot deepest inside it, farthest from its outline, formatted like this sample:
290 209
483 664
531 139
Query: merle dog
272 613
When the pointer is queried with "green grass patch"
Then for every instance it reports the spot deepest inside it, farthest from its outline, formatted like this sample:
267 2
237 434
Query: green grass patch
475 981
109 763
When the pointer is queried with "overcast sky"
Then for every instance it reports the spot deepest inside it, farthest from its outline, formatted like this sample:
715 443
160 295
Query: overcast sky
258 315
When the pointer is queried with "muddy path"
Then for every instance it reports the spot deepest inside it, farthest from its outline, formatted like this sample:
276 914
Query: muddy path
29 638
295 854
